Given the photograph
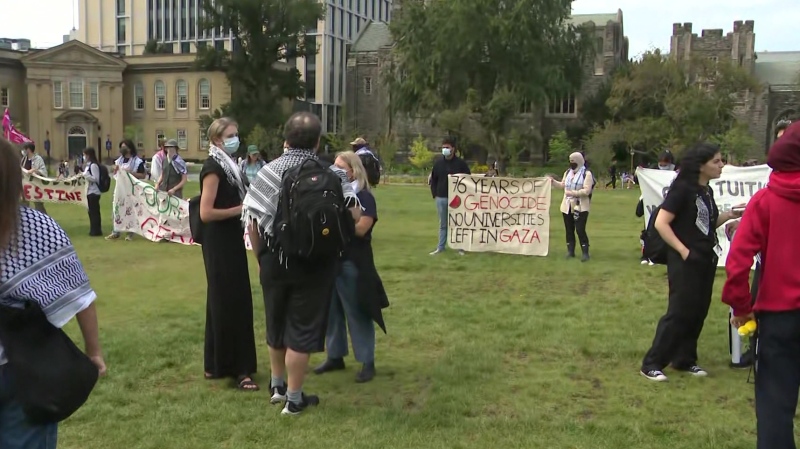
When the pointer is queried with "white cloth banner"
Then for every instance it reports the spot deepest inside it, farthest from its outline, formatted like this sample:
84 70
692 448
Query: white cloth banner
736 186
501 215
138 207
48 190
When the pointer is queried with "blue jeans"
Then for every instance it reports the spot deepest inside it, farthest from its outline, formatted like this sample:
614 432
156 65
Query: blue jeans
441 207
345 307
15 431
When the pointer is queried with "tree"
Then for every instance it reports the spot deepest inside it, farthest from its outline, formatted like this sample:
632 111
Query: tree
661 103
560 149
269 143
421 157
153 47
736 143
265 32
490 56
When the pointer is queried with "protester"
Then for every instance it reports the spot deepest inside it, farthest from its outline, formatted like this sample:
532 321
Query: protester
157 162
448 164
251 165
127 163
297 290
174 173
92 174
578 183
370 161
33 164
781 127
39 265
765 230
687 222
230 348
358 296
612 173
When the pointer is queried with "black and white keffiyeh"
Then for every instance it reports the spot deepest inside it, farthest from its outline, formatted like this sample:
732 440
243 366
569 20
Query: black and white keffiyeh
261 202
229 167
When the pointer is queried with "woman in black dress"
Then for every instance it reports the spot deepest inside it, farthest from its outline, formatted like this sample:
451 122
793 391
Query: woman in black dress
230 349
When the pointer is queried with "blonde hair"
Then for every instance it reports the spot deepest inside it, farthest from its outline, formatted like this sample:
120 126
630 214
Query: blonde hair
218 127
359 172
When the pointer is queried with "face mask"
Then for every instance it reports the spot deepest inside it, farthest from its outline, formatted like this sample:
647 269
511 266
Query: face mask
124 151
447 152
285 150
231 144
355 186
573 165
663 167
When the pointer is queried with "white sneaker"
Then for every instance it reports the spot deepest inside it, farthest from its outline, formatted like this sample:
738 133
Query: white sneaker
437 251
644 261
649 262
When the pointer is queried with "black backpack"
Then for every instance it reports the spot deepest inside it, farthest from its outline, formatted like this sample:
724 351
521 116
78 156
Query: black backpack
104 183
373 167
655 248
312 222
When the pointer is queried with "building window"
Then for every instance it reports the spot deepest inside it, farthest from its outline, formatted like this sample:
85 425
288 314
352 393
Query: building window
563 106
94 95
4 102
182 91
159 137
204 92
138 96
182 140
185 47
76 94
599 45
58 95
367 85
161 96
122 50
120 7
121 30
219 45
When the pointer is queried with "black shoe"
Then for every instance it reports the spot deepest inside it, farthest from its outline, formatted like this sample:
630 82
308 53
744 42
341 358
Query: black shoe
585 253
278 394
330 365
366 374
570 250
293 409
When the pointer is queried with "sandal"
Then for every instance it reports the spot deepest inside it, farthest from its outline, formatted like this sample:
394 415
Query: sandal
246 383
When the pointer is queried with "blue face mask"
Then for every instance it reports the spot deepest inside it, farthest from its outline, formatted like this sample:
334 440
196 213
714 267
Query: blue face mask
231 144
446 152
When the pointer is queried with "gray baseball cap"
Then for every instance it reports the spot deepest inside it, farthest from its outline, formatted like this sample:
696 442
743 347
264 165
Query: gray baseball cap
171 143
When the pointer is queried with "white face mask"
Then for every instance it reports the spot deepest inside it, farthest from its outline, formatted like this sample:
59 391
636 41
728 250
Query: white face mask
285 150
446 152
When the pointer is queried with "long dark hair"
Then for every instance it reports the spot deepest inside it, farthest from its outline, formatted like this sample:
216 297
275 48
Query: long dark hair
131 147
91 155
692 159
10 191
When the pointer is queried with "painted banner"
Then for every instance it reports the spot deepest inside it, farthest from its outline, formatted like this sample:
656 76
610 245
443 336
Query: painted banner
736 186
47 190
138 207
501 215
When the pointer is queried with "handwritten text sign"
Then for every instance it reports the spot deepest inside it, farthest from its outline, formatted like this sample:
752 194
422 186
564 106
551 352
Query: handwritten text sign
502 215
46 190
736 186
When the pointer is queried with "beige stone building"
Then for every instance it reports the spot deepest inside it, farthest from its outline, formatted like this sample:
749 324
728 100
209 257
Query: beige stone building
74 96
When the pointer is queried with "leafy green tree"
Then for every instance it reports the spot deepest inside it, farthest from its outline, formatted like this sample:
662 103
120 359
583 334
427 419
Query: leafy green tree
560 149
736 143
266 32
421 157
269 142
490 56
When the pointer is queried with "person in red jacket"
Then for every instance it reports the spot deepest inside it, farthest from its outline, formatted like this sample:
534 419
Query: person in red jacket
768 227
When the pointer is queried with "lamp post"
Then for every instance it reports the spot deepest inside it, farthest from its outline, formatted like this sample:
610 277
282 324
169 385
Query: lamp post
632 154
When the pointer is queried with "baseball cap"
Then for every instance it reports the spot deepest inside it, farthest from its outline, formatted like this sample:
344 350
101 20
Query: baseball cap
252 149
359 141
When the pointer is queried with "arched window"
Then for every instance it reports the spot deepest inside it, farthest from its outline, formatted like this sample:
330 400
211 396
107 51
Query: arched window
204 94
76 131
182 93
138 96
161 96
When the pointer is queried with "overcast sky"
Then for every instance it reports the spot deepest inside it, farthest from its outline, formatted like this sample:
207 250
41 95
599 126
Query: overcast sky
647 24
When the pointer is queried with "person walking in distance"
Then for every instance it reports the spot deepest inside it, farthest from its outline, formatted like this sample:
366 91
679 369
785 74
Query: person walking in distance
301 213
448 164
612 173
33 164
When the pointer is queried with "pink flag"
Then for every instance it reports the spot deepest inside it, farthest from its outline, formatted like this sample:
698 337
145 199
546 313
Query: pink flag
10 131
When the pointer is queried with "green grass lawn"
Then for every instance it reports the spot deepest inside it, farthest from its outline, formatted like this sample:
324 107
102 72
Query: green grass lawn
484 351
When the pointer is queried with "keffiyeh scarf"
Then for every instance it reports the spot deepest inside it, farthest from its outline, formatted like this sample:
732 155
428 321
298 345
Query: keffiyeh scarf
261 203
132 164
230 169
575 179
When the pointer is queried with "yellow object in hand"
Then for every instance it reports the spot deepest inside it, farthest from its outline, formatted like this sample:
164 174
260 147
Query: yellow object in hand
748 328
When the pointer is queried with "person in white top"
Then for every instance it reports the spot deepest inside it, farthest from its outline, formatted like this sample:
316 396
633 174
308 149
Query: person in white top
33 164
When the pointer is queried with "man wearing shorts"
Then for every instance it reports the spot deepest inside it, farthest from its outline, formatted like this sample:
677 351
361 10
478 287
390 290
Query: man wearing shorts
297 293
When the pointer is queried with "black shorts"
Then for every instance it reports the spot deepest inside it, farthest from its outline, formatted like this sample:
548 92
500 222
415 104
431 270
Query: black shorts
297 307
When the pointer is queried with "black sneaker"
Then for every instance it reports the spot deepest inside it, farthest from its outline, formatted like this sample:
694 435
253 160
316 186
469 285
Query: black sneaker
695 370
293 409
330 365
654 375
278 394
366 374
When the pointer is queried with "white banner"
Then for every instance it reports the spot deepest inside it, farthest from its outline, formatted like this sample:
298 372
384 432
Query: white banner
736 186
138 207
501 215
48 190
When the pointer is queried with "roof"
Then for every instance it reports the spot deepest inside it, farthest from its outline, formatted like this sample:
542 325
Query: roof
373 37
598 19
778 67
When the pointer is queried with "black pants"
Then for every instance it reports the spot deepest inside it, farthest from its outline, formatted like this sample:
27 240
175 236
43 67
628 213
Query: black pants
777 378
95 222
613 182
690 286
573 225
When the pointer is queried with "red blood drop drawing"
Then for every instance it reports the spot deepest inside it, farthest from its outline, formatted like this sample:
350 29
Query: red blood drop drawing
456 202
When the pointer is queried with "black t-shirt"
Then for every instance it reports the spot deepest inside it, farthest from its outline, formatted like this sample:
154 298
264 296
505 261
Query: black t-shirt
370 209
696 215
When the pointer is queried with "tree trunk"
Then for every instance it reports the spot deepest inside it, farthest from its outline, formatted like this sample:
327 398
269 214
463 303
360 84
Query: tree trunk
502 164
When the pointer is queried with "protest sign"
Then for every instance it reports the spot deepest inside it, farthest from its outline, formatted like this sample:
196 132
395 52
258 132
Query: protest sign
47 190
138 207
736 186
502 215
